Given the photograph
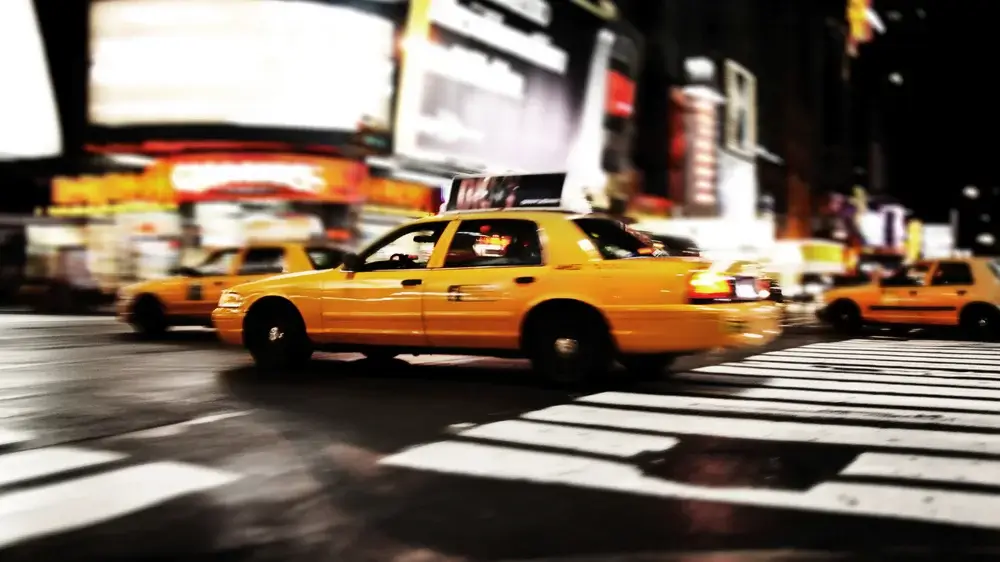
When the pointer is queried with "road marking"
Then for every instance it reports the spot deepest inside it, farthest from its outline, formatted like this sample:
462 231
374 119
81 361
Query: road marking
768 370
602 442
890 351
994 367
769 398
918 467
173 429
777 381
39 463
924 357
827 399
767 430
431 360
8 438
735 404
82 502
897 502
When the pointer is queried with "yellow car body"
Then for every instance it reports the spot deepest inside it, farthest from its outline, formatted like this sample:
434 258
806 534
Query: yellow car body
188 298
961 292
548 271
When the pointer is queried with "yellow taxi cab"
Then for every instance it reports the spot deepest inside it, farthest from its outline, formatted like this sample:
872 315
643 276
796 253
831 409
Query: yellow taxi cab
188 297
961 292
570 292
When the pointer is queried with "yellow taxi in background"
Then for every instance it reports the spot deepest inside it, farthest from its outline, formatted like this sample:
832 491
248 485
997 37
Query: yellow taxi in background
188 297
962 293
570 292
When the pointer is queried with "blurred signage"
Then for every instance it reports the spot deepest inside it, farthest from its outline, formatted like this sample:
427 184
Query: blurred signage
650 206
741 110
701 158
621 95
249 64
859 27
505 192
394 193
498 84
115 193
263 176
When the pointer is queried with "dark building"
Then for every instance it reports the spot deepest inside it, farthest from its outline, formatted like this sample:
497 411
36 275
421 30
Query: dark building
793 51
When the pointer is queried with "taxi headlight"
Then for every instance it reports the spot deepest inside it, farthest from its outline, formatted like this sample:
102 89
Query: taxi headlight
230 299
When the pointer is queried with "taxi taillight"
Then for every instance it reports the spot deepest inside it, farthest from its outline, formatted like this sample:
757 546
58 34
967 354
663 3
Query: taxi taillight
709 286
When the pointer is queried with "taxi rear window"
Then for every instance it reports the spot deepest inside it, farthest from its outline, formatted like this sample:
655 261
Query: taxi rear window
613 240
324 258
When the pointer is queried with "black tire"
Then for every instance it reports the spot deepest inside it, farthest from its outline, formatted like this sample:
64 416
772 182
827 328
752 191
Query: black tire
845 316
570 346
647 367
149 318
276 338
981 323
380 356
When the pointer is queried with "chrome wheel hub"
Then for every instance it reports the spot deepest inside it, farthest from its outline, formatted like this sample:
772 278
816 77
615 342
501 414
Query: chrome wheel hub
275 334
566 347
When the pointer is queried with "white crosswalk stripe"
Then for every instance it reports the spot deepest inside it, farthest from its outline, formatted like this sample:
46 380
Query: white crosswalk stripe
43 493
919 419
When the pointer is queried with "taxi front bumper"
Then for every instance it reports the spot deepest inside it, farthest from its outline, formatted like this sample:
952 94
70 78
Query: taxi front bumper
228 324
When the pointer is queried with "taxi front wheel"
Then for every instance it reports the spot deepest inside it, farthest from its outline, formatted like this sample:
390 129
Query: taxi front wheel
277 340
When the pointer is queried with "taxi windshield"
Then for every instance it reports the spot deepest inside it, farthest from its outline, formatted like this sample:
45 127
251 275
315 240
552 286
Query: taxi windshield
615 241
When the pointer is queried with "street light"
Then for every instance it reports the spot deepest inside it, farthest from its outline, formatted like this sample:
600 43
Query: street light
971 191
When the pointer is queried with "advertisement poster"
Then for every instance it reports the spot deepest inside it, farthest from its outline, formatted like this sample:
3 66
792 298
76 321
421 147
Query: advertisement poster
495 83
321 72
506 192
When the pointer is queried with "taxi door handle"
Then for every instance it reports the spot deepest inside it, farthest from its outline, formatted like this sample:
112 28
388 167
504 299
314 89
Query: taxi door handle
217 283
411 282
524 280
961 293
913 293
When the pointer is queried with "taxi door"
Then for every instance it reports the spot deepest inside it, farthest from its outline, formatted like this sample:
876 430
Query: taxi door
951 286
201 293
898 299
379 302
475 297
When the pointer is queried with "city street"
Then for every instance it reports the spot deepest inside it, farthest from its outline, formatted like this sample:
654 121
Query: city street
113 449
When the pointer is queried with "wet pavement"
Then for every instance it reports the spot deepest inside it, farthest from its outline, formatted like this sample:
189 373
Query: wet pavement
870 448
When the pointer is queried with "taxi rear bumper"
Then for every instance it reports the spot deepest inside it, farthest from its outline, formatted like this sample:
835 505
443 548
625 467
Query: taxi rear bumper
693 328
228 325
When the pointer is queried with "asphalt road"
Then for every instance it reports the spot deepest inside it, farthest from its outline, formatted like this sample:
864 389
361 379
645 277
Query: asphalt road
111 449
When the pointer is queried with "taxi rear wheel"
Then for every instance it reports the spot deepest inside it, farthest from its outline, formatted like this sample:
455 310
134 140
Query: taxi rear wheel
981 323
149 318
570 347
647 367
276 338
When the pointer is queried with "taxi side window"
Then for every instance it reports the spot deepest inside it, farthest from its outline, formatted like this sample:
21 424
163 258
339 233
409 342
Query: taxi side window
408 248
952 273
910 276
263 261
495 243
218 263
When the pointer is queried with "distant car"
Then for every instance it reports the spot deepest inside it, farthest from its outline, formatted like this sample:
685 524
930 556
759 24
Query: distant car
570 292
188 297
962 292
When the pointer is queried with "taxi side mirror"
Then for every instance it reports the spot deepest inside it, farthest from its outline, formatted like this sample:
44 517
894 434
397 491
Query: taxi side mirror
351 262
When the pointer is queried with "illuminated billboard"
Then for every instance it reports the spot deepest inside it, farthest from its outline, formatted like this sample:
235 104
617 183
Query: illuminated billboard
29 122
190 68
497 84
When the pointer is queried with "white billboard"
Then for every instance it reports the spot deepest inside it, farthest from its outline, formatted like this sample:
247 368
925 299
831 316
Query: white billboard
29 120
264 63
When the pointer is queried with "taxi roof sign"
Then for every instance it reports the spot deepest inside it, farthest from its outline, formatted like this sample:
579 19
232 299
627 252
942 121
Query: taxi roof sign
511 191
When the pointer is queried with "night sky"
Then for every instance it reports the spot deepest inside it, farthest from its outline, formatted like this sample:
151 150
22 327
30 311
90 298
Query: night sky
937 125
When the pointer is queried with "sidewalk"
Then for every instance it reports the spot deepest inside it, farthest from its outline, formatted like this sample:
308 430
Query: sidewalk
108 310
